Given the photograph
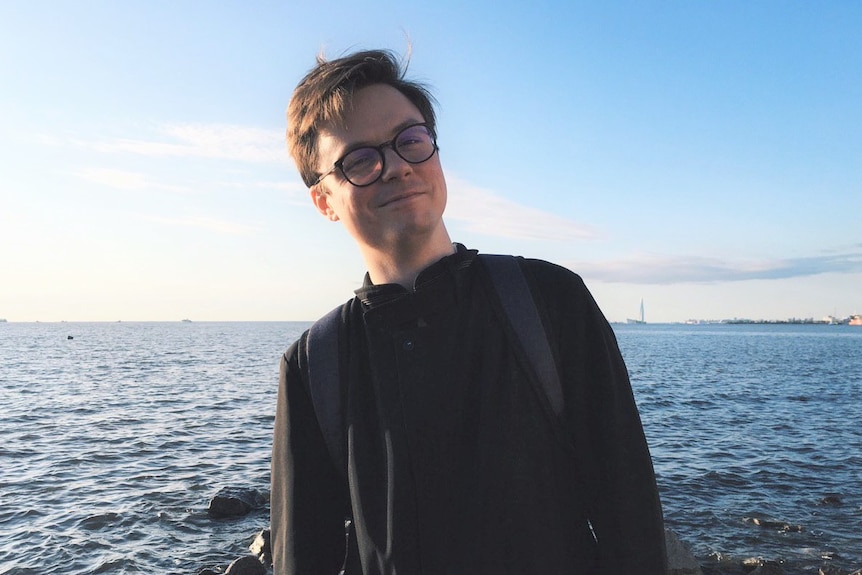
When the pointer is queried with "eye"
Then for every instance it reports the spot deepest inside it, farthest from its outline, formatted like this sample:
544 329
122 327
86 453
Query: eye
360 160
413 136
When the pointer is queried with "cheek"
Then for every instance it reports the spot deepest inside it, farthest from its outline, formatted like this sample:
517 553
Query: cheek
439 181
343 207
431 171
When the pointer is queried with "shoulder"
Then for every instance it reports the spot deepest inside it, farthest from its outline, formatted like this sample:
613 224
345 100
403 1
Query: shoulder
549 271
324 332
552 285
537 269
553 280
562 293
292 353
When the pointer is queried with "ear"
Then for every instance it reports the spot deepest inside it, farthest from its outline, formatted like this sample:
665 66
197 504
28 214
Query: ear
321 200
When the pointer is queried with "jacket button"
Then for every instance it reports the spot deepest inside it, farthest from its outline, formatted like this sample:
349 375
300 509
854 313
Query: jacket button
408 345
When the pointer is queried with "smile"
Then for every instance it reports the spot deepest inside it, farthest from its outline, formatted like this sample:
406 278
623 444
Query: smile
400 198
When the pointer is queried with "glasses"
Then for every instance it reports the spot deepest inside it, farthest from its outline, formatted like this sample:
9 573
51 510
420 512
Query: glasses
364 166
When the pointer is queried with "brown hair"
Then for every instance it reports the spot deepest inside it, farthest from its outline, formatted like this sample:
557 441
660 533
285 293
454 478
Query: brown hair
325 94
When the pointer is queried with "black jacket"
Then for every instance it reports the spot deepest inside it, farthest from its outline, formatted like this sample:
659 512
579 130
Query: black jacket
456 464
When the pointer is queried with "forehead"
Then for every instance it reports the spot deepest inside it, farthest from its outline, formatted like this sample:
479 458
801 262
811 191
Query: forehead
375 114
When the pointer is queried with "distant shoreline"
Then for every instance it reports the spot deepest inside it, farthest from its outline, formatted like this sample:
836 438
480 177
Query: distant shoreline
742 322
695 322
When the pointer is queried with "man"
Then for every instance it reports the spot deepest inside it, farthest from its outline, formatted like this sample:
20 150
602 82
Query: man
454 462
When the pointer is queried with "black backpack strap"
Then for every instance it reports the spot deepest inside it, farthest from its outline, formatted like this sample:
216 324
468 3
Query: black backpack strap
523 315
324 382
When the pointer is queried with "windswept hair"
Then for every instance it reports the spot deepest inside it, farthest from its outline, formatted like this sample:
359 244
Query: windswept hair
325 96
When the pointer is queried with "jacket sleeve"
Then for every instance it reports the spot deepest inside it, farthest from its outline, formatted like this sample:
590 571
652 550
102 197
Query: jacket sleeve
603 423
308 502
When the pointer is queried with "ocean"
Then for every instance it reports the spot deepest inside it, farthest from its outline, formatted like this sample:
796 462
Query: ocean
113 442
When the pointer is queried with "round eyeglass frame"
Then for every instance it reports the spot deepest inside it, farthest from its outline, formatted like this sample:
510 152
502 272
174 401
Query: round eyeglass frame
339 164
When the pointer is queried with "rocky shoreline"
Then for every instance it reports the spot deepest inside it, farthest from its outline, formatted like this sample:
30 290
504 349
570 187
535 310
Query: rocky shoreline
238 502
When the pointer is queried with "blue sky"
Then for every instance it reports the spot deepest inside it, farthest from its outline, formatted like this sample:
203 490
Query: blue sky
703 156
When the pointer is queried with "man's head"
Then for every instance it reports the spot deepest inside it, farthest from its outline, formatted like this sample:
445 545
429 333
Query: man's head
325 96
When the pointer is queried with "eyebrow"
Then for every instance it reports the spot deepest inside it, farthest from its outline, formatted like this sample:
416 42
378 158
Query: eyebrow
368 144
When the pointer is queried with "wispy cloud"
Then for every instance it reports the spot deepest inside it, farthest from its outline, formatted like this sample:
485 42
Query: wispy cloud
295 191
125 180
652 269
485 212
206 223
219 141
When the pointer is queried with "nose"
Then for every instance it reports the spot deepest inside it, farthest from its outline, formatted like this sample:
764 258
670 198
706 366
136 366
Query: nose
394 166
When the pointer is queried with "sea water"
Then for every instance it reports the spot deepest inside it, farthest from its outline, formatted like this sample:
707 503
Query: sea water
753 422
114 436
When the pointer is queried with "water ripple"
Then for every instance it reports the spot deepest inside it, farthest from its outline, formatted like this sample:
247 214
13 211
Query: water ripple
753 421
115 441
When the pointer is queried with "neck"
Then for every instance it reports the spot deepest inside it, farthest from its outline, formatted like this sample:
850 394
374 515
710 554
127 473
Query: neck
403 262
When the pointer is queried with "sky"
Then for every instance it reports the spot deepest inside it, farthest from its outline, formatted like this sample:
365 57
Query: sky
704 157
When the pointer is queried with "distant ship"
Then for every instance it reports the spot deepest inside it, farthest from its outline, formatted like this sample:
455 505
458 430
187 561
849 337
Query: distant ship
187 321
855 320
641 319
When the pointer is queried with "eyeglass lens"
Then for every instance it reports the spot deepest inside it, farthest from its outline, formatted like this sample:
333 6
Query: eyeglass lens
363 166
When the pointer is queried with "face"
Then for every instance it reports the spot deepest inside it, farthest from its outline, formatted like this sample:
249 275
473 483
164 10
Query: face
406 204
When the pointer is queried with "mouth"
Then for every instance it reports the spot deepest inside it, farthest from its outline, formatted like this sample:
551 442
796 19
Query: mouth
401 197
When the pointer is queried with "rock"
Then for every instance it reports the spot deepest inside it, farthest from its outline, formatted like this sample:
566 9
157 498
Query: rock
751 564
766 522
780 525
247 565
830 500
769 568
680 561
233 502
758 566
261 547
